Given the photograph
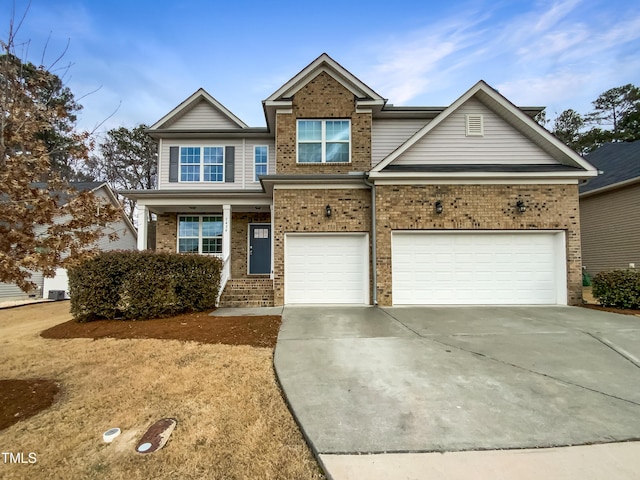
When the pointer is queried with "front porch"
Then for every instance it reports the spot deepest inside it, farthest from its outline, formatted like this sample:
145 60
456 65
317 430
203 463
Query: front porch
236 228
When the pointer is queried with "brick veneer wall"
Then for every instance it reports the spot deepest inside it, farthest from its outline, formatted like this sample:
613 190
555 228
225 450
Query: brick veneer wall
478 207
304 211
239 227
323 98
167 233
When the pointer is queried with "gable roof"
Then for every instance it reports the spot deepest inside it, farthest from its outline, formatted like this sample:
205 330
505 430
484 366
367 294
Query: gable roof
281 98
619 163
324 63
63 197
200 95
512 115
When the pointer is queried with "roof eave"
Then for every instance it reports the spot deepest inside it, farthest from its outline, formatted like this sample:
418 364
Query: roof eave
613 186
255 132
572 175
193 194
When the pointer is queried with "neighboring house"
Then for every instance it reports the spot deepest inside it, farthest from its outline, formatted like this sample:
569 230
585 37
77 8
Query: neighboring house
610 209
127 240
345 199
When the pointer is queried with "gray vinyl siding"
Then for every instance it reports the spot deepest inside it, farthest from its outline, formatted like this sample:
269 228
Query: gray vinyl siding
202 115
10 291
389 134
126 237
448 144
610 226
243 172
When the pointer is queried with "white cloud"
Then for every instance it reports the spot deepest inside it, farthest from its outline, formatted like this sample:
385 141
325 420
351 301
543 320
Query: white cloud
409 65
552 53
554 15
553 88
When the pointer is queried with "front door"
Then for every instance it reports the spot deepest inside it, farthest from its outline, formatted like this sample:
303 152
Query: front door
259 248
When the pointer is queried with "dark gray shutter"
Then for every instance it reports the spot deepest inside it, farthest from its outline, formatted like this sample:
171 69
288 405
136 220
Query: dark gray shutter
229 163
174 153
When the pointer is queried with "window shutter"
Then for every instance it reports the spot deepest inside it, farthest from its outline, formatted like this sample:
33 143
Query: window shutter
229 164
475 127
174 153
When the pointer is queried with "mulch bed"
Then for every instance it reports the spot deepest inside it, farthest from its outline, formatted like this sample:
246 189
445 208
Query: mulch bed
624 311
20 399
255 331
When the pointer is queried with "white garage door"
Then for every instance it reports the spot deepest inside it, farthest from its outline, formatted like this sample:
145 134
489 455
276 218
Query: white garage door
478 268
326 268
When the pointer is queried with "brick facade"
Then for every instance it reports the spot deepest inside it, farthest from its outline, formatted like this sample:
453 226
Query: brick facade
304 211
239 239
406 207
323 98
478 207
167 233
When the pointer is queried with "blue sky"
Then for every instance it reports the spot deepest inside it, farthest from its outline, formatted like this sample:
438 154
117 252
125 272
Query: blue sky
145 57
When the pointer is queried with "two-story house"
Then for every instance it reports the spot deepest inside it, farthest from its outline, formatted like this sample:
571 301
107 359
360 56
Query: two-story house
345 199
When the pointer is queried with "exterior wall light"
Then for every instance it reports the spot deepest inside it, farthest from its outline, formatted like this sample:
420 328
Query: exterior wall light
521 206
328 211
439 207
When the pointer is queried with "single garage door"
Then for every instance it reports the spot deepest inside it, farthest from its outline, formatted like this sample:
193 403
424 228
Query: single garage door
326 268
478 268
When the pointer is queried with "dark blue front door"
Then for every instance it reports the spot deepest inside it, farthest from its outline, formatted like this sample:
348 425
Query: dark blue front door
259 248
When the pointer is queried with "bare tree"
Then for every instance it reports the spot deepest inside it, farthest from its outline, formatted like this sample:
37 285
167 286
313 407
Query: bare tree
127 160
44 224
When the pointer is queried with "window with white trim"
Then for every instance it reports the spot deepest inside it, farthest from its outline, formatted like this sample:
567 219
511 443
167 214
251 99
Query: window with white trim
324 141
200 234
206 163
260 161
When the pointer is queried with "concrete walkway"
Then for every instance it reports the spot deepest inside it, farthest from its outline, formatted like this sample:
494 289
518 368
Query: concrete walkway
417 380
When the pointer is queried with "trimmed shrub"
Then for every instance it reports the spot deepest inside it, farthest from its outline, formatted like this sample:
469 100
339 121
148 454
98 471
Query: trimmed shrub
133 285
618 288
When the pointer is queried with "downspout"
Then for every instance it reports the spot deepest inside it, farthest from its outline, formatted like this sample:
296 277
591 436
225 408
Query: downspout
372 186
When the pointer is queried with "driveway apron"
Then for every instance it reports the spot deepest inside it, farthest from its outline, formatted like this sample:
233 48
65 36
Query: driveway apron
425 379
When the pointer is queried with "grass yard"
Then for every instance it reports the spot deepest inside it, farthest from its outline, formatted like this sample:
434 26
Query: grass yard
232 420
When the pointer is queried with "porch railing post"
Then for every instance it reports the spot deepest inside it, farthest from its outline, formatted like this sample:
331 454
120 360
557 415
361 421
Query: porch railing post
142 226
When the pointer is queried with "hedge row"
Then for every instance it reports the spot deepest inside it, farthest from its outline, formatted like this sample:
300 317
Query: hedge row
135 285
617 288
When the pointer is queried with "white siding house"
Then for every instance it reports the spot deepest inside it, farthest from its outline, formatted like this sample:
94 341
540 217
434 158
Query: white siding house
127 240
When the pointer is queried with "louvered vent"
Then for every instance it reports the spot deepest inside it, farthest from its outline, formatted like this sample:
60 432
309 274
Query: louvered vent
475 127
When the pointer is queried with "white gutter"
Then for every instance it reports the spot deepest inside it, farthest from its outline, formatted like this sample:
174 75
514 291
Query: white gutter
613 186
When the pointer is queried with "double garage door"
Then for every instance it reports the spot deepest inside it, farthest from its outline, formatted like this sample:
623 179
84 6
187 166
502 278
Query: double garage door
430 268
478 268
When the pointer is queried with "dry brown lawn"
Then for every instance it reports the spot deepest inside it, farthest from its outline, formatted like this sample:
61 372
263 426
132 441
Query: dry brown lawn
232 420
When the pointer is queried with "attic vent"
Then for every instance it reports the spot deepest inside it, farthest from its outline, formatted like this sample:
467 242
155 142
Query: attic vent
475 126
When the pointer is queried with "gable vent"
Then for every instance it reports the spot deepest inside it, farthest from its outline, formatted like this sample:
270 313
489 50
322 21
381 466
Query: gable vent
475 126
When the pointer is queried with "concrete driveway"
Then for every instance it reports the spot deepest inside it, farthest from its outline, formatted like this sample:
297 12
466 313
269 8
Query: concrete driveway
366 379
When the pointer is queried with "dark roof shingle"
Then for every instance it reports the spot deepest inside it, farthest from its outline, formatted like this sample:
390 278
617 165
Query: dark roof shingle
618 161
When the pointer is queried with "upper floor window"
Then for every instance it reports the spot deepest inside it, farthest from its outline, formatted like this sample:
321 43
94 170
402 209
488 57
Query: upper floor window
200 234
324 141
260 161
201 163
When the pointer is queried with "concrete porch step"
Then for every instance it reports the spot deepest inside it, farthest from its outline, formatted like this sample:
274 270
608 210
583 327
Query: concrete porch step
247 292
